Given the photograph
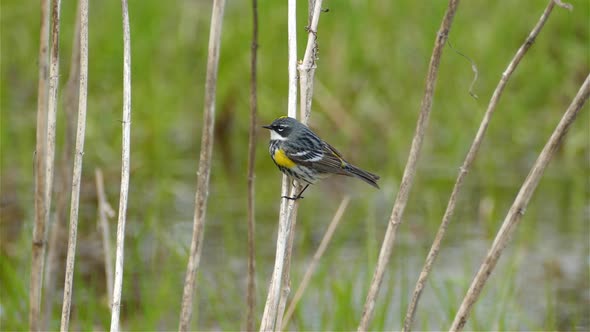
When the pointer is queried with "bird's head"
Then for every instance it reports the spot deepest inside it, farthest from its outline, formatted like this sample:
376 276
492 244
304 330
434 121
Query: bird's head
282 128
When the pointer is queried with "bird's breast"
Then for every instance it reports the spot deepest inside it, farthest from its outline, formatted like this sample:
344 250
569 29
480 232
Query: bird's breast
281 158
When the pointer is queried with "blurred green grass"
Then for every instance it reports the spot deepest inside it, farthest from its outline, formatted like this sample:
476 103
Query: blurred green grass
373 57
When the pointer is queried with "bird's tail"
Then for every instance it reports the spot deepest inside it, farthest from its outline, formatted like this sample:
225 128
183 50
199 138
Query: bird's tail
368 177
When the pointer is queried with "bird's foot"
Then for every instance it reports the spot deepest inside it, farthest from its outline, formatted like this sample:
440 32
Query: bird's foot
294 198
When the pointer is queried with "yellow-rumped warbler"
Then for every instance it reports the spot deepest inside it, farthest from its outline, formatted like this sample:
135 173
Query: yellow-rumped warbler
301 154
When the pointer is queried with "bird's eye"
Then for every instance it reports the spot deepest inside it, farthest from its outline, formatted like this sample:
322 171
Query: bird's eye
280 129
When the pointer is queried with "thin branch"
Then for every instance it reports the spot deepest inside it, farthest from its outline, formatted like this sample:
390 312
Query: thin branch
269 317
315 260
286 279
77 173
279 288
126 152
306 74
519 206
64 177
467 165
308 66
105 211
410 170
292 60
45 152
202 192
251 292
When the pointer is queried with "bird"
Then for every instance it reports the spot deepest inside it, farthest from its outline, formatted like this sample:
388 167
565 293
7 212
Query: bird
301 154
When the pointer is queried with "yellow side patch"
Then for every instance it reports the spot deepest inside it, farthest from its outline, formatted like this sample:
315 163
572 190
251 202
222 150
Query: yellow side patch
282 160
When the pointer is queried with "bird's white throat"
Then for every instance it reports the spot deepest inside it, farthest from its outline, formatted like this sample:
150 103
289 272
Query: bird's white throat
274 136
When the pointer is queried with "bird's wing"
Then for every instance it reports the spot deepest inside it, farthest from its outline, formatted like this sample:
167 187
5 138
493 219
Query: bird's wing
323 158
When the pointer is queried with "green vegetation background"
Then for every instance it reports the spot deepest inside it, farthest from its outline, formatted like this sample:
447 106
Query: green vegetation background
373 57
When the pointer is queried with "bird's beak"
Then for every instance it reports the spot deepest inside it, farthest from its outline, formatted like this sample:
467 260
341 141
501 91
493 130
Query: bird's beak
267 127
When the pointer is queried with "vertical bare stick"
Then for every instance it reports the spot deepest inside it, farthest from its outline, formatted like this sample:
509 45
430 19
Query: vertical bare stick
315 260
269 316
306 83
519 206
279 287
204 165
286 278
45 152
467 165
251 292
53 100
308 66
292 50
410 170
105 211
64 180
77 172
126 152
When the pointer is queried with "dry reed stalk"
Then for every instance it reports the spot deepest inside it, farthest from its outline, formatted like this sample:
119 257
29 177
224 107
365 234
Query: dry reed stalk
125 161
251 288
307 66
77 172
519 206
286 279
410 170
204 171
105 211
306 75
316 259
64 179
269 315
44 152
292 58
279 288
467 165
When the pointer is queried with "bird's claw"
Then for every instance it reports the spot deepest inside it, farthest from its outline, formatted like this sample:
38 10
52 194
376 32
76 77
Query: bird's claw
292 198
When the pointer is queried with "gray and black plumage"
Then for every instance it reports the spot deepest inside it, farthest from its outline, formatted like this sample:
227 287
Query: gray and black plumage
301 154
